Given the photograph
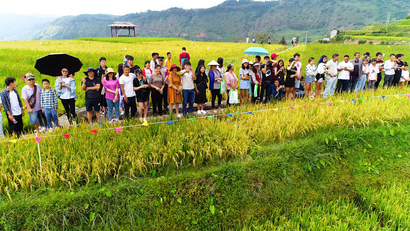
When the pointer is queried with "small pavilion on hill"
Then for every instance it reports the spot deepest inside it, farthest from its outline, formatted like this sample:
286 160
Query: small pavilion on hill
116 26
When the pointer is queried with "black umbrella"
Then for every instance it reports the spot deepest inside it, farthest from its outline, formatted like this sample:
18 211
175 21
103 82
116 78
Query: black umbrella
52 64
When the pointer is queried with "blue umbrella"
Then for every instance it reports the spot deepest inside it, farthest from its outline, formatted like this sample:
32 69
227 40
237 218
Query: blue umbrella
256 51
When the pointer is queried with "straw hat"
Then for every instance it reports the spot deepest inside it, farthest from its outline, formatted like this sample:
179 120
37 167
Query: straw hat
213 63
109 70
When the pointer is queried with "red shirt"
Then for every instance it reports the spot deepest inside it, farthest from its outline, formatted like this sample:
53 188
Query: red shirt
184 55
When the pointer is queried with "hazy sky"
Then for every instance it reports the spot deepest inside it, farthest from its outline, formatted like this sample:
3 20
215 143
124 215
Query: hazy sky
75 7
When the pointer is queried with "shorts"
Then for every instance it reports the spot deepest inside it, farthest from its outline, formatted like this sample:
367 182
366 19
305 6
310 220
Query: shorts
142 100
310 79
93 103
33 117
297 83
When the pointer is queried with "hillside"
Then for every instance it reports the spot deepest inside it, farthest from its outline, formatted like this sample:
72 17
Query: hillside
397 31
233 20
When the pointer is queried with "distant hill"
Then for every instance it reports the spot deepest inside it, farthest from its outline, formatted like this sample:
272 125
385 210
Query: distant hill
233 20
22 27
397 31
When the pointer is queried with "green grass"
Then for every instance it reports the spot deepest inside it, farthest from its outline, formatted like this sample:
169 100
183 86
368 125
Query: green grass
335 178
129 39
385 38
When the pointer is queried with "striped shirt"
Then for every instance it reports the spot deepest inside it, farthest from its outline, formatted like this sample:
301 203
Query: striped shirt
49 99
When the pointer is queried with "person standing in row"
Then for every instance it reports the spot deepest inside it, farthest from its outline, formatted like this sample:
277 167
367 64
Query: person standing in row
404 75
221 67
280 72
399 68
147 71
380 64
215 79
188 89
357 71
174 89
231 80
291 75
266 69
363 79
49 104
91 86
31 95
256 80
168 62
389 68
201 84
112 90
344 68
65 88
331 76
100 73
132 66
244 85
127 87
13 107
298 78
320 76
184 56
157 84
154 61
311 71
374 70
141 88
165 73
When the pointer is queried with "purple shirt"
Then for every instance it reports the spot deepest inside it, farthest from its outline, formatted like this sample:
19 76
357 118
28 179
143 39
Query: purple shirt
26 93
113 85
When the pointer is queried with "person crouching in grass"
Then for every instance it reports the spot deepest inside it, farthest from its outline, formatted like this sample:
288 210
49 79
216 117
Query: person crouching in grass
49 104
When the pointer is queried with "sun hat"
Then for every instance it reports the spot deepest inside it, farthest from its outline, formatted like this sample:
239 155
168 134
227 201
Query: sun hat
256 64
250 63
175 66
245 61
89 69
29 76
25 77
274 55
213 63
109 70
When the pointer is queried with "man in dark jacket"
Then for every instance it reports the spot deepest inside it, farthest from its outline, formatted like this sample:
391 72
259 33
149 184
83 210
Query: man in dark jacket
13 107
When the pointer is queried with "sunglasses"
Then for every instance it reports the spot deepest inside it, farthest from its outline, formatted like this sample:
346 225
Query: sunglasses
31 80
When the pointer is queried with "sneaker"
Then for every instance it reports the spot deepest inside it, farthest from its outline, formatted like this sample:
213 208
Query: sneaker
178 115
215 111
141 119
51 130
199 112
42 129
203 112
122 113
103 113
145 119
99 123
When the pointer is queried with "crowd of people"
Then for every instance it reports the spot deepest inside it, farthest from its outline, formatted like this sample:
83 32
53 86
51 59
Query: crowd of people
168 85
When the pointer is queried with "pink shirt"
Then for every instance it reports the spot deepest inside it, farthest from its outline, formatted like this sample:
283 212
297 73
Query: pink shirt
113 85
373 71
230 78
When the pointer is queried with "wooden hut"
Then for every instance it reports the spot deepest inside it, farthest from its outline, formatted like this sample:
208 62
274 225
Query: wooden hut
116 26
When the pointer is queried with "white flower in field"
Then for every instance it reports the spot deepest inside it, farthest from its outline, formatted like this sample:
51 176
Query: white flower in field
208 48
192 42
125 48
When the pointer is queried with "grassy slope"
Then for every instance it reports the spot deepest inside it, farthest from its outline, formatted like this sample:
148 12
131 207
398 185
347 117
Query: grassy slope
332 179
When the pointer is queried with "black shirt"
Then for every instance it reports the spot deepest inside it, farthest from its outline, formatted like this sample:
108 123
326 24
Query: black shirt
281 76
100 72
142 93
379 75
92 94
134 69
397 74
267 77
355 72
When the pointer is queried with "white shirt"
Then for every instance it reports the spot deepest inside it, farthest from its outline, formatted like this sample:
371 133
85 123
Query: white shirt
298 66
311 70
14 104
148 73
345 75
321 68
128 84
388 67
332 68
66 94
187 81
404 76
153 64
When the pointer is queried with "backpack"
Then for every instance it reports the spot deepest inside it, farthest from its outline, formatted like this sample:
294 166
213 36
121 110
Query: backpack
183 58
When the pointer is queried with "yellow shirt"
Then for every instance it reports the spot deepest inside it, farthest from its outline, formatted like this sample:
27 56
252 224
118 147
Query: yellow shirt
168 63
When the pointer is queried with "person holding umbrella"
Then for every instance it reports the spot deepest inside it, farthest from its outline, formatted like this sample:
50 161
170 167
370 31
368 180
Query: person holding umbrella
31 94
65 88
91 86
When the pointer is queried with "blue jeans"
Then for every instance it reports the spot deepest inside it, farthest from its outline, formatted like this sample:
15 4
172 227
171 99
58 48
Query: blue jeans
330 87
188 97
362 82
111 105
51 113
278 94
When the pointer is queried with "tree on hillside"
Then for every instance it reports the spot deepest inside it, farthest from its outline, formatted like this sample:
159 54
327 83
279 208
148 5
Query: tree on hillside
283 41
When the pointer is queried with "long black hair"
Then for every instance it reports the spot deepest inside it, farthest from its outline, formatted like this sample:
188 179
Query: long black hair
201 63
282 62
321 60
113 76
243 66
221 62
198 70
